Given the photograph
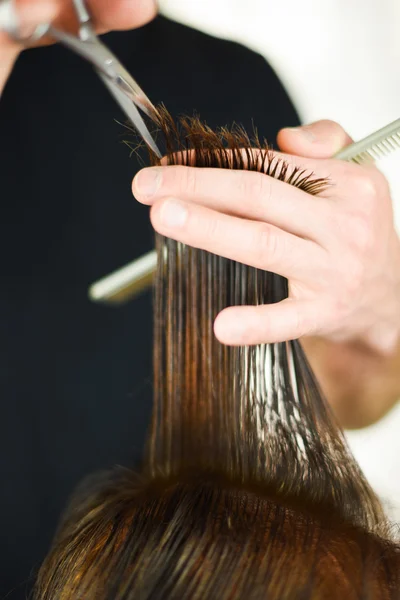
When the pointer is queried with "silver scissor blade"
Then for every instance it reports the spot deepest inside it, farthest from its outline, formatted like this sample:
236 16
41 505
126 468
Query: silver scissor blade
132 113
129 86
92 50
127 83
100 57
119 82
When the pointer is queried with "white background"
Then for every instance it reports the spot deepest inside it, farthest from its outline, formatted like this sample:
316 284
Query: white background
338 59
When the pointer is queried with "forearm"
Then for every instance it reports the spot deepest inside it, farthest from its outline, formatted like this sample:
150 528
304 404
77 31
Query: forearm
360 385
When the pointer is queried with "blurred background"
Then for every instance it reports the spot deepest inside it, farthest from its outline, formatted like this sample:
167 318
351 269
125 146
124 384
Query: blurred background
338 59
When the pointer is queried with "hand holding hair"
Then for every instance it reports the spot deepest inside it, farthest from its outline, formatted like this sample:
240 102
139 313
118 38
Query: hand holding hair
118 14
248 489
339 250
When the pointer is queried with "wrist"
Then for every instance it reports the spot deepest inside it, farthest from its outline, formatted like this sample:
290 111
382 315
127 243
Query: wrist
360 384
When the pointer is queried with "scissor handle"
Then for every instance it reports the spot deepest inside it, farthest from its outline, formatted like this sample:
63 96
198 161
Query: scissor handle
86 30
82 12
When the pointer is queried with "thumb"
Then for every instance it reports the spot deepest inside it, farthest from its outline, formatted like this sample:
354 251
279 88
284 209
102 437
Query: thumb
321 139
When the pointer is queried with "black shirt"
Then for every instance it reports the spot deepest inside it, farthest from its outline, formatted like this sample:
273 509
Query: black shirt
75 377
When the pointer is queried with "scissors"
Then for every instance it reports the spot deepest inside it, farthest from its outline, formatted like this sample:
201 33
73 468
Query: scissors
119 82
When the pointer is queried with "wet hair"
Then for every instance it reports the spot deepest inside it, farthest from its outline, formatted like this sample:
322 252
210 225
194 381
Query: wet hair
248 489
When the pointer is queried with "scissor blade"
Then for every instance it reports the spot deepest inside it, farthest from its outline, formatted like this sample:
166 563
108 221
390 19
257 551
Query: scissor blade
130 87
94 51
132 113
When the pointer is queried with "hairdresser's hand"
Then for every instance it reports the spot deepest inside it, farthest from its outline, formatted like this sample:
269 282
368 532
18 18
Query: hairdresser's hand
339 250
108 14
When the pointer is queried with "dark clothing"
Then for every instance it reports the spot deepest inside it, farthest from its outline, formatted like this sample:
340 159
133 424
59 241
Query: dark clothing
75 377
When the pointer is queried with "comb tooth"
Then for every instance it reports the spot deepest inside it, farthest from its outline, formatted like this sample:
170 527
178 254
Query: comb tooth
373 152
392 143
387 146
383 148
396 141
375 146
360 158
368 158
385 151
364 157
396 137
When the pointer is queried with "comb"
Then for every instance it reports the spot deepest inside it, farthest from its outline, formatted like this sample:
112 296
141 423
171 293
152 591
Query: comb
374 147
126 283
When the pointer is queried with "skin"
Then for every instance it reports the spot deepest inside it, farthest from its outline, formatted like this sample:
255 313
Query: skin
340 252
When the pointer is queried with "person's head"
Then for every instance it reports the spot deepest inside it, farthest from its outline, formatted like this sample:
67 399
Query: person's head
248 489
202 535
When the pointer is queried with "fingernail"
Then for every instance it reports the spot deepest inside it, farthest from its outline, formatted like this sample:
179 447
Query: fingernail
173 213
148 181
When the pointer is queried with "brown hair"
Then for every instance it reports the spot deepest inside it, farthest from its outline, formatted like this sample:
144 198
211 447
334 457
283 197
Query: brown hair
248 489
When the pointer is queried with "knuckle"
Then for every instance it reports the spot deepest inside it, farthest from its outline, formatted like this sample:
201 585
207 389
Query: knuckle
338 310
267 245
189 181
378 179
361 232
329 129
304 325
366 191
332 126
354 278
344 290
212 228
356 275
254 186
